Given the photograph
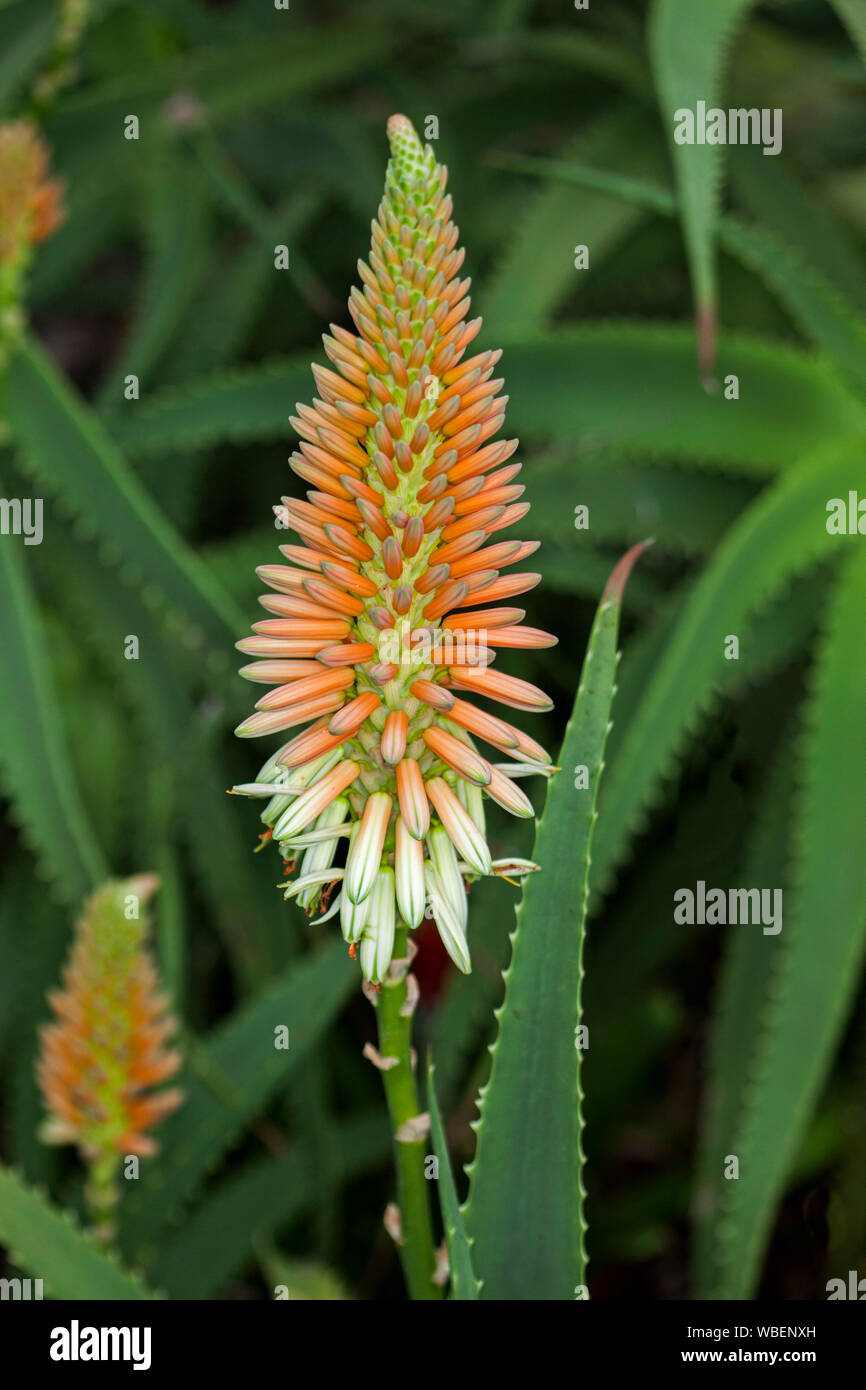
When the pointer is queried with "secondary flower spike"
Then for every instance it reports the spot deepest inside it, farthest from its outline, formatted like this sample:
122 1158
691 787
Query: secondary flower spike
100 1061
377 618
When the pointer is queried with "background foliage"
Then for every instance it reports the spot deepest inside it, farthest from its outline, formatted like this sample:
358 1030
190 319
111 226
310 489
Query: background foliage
261 127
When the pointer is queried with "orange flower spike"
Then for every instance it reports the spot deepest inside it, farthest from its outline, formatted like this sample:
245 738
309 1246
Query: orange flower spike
386 593
29 201
30 211
108 1046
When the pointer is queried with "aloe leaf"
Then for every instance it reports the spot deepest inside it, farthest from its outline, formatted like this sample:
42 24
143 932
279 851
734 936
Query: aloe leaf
687 46
687 512
176 230
65 446
525 1209
464 1285
793 405
818 308
780 536
536 272
782 205
751 961
261 1199
235 407
98 209
25 38
227 303
228 79
825 935
34 761
852 13
613 58
245 906
232 1078
47 1243
779 257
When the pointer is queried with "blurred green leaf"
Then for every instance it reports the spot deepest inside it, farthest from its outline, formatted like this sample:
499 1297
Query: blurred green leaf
687 46
536 273
49 1246
239 1070
781 535
569 384
752 961
64 445
814 979
35 763
259 1200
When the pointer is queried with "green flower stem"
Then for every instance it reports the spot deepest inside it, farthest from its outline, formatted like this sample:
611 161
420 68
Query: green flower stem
101 1197
417 1251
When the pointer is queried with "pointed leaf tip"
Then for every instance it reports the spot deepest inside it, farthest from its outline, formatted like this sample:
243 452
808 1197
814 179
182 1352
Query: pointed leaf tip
623 568
705 324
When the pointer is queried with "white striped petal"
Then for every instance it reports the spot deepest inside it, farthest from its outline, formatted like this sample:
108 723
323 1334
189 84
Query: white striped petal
472 798
265 789
298 782
365 854
444 860
310 881
514 868
409 875
450 930
313 801
353 917
377 943
316 837
526 769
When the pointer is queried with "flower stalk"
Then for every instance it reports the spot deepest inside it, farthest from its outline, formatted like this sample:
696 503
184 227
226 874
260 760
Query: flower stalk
394 1009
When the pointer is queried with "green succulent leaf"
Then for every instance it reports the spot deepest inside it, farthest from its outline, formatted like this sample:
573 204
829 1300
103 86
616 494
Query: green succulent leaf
529 1160
258 1200
33 759
232 1078
687 46
567 384
65 446
464 1285
781 535
824 928
47 1243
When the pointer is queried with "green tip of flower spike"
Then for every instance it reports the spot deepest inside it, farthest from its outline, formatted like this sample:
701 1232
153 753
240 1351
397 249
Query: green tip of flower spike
410 161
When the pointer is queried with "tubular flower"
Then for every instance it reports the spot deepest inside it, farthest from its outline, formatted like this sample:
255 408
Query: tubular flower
101 1059
377 618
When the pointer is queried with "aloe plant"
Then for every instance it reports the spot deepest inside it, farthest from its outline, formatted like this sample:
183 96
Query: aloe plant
377 625
203 259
